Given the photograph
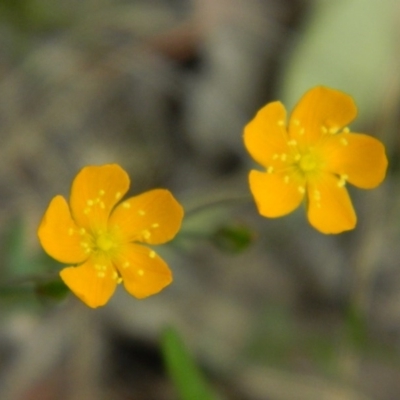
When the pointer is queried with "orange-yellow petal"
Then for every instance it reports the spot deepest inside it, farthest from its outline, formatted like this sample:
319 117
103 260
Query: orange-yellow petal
275 197
143 272
320 111
329 206
59 235
361 159
93 283
94 193
153 217
265 135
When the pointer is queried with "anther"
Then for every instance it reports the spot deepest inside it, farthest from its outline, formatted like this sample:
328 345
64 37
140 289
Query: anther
275 156
101 274
118 195
346 130
344 141
343 179
126 204
283 156
301 131
152 254
126 264
155 225
301 189
296 122
292 142
281 122
324 129
89 202
270 169
286 179
102 192
70 231
146 234
140 272
317 195
141 213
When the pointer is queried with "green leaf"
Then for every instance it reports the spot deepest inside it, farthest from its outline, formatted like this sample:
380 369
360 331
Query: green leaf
233 238
347 45
185 374
356 329
54 290
15 257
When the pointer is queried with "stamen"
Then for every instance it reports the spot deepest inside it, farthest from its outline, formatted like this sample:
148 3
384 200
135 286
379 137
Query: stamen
286 179
324 129
332 130
126 204
70 231
270 169
281 122
152 254
102 192
82 231
301 189
126 264
296 122
283 156
140 272
317 195
297 157
118 195
141 213
346 130
292 142
275 156
119 280
86 211
101 274
90 202
344 141
155 225
146 234
343 179
301 131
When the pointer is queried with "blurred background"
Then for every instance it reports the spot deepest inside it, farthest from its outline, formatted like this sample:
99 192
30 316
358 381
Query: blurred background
268 309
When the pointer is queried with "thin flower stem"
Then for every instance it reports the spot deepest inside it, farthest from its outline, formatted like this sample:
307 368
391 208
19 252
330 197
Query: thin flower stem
239 199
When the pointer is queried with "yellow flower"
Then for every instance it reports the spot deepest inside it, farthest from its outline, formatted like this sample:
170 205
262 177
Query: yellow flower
102 237
312 157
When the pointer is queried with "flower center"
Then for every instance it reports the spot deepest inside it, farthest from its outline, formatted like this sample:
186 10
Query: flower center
104 242
308 162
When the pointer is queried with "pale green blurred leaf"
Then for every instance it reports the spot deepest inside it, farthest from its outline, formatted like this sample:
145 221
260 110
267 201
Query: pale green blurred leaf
347 45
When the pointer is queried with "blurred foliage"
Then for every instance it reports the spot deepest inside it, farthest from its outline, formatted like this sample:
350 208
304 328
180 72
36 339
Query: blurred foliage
34 16
26 279
345 45
183 370
233 238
